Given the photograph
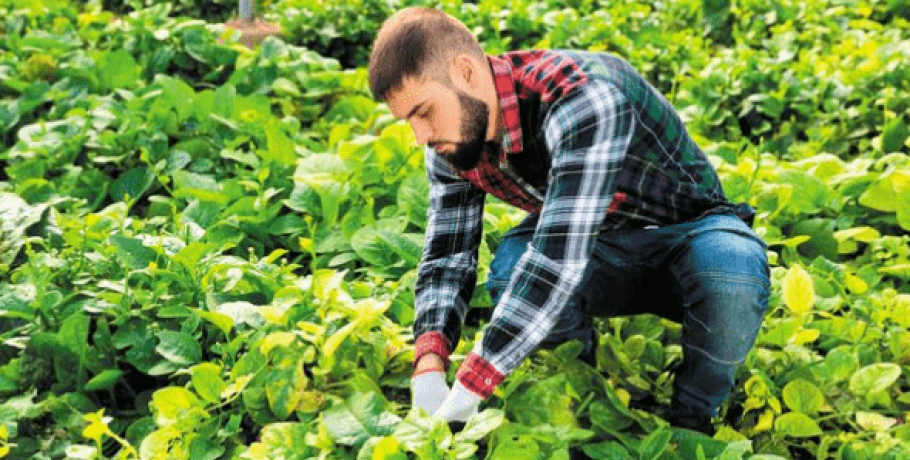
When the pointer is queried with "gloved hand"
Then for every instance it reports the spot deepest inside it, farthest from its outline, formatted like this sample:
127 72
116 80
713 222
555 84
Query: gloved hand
460 404
429 390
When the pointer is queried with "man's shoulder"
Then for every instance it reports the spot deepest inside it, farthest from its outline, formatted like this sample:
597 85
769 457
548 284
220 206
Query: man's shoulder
551 74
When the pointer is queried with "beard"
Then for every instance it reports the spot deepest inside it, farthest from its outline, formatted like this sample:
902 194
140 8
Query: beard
474 120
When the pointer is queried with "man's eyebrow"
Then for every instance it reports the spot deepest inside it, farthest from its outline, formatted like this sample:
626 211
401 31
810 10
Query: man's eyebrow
415 108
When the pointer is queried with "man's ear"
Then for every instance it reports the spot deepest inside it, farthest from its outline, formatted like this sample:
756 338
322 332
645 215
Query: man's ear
463 73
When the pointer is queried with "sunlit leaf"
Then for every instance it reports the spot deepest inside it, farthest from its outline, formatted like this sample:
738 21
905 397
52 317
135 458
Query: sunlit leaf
798 291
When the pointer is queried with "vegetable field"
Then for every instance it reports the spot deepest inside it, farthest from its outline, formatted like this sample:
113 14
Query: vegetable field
209 251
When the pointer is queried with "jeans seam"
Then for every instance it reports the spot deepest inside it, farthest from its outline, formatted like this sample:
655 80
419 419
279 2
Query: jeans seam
712 357
752 280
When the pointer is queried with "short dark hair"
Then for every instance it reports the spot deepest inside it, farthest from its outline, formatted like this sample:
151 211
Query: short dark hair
421 43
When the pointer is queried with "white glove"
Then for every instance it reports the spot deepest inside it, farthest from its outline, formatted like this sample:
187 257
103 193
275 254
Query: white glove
429 390
460 405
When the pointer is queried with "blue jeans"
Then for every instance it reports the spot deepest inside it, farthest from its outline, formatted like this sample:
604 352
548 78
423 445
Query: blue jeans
711 275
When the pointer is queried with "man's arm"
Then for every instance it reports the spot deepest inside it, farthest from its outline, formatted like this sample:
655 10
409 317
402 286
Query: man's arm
587 134
448 270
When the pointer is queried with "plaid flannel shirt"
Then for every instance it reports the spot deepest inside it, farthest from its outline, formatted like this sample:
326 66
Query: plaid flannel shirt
590 146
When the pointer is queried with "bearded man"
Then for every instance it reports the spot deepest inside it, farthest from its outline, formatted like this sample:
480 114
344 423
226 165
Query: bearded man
626 215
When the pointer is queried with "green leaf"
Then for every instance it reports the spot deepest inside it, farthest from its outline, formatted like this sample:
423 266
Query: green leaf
136 255
117 69
381 247
514 441
273 48
131 333
607 416
170 404
201 213
608 450
846 239
688 442
797 424
224 98
545 401
204 188
280 149
132 183
285 87
288 225
802 396
223 322
241 312
332 343
737 450
197 41
157 443
654 445
813 196
22 407
357 419
203 448
179 348
898 270
902 195
207 381
873 421
882 194
821 233
283 388
414 199
351 107
481 425
77 451
285 440
105 380
16 216
190 256
179 94
384 448
331 194
413 431
838 366
874 378
798 291
894 134
276 339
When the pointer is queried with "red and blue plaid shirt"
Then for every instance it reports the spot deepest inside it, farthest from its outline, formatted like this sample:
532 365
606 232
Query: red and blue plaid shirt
590 146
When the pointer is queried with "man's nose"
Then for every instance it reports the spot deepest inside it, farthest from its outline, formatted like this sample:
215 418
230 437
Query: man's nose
422 132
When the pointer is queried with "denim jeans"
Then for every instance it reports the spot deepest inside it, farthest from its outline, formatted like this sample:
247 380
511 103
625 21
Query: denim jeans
711 275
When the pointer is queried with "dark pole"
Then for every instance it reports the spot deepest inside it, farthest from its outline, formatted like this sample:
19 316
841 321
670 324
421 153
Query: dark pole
253 30
247 9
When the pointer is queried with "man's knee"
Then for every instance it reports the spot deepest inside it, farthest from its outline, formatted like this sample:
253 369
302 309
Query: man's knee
725 285
731 251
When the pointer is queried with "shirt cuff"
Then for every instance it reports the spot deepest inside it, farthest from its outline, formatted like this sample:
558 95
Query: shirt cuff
432 342
479 376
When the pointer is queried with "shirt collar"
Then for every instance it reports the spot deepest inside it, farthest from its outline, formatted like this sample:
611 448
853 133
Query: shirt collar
508 104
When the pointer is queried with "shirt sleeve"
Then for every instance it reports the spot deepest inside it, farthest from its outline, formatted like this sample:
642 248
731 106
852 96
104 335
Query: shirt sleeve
447 271
587 133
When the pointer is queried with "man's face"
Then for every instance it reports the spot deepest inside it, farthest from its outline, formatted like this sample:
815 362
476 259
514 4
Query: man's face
451 121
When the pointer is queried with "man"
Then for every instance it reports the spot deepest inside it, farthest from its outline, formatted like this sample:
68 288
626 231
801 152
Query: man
626 214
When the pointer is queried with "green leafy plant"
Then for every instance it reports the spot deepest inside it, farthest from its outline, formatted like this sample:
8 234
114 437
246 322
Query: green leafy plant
209 251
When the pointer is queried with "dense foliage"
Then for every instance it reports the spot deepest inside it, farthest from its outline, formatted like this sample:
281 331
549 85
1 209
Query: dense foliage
208 252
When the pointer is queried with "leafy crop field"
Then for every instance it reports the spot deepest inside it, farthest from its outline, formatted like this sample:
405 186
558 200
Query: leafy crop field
208 252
